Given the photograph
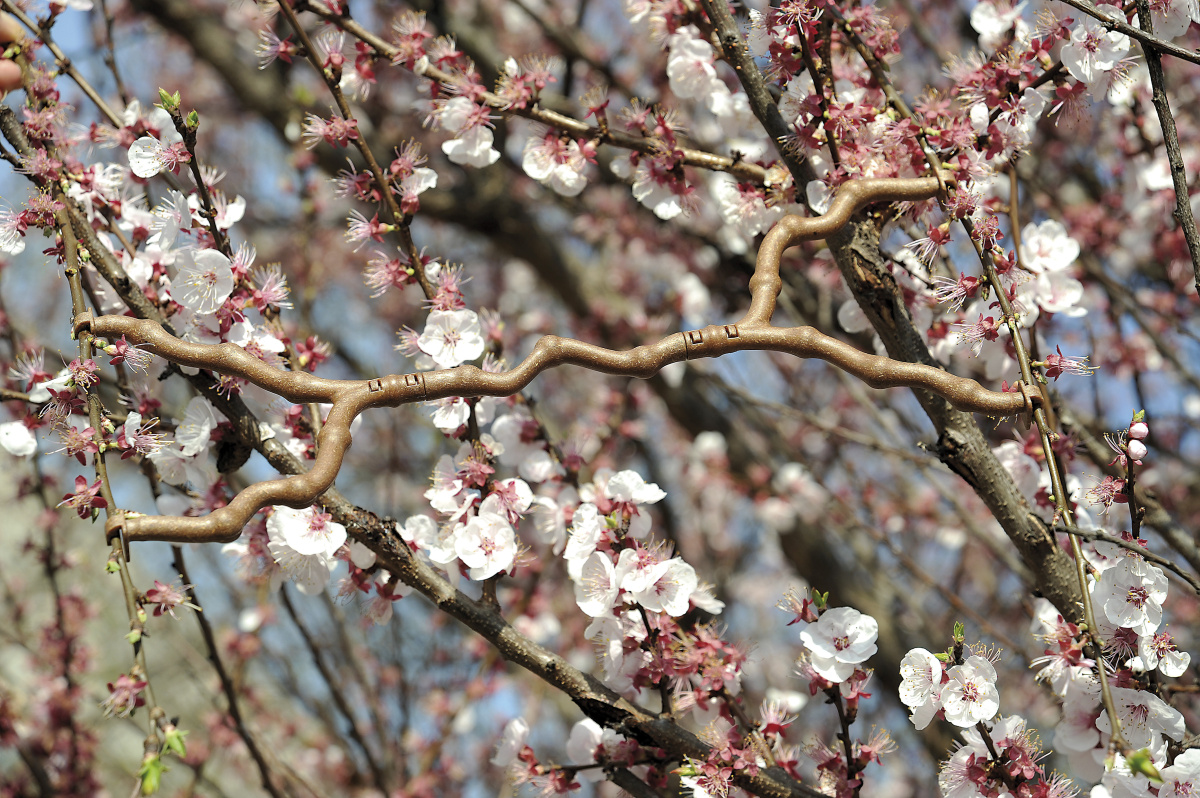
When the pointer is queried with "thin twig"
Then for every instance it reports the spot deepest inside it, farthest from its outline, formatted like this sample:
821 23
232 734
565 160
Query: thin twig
110 55
1157 559
1146 37
227 686
339 699
1183 206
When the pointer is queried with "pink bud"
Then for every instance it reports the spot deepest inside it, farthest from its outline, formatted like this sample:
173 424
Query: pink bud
1137 450
1139 431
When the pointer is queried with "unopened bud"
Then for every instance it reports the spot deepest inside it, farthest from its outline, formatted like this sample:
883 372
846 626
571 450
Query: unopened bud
1139 430
1140 762
1137 449
169 102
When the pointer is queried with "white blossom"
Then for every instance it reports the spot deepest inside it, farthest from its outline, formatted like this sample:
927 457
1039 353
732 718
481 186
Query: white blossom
17 439
437 541
588 740
596 588
1145 718
628 486
840 640
203 280
744 210
549 517
586 528
690 65
1047 247
1181 779
654 192
1158 650
515 433
511 742
1131 595
147 157
199 420
670 588
472 147
487 544
921 672
450 413
452 337
12 242
1093 50
307 531
971 695
310 572
555 163
1172 18
227 213
992 21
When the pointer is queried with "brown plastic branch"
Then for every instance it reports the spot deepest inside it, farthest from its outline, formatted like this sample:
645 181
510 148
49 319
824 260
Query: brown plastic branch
349 398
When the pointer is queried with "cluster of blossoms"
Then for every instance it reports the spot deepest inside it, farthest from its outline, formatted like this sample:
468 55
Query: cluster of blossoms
1127 593
837 643
997 756
634 592
1128 623
964 694
588 745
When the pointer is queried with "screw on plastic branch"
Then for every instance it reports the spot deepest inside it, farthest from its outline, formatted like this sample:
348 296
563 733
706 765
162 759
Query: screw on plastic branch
351 397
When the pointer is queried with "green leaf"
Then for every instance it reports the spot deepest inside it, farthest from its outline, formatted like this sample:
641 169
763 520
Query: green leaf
173 742
151 774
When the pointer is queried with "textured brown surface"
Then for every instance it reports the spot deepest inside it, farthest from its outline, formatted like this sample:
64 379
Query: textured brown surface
351 397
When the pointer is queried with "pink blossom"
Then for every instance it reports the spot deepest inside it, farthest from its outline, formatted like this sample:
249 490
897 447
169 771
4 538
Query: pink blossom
125 695
86 500
1056 365
985 329
955 292
166 598
124 352
271 47
335 131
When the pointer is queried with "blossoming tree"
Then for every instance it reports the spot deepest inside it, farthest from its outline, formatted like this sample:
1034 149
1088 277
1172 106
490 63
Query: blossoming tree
378 341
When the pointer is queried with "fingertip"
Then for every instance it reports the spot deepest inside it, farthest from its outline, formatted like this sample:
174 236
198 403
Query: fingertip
10 76
10 29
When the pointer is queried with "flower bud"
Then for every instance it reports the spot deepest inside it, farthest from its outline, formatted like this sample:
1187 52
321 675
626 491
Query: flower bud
1137 450
1138 431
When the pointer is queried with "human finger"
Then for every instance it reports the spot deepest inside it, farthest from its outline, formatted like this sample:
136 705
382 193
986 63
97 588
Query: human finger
10 73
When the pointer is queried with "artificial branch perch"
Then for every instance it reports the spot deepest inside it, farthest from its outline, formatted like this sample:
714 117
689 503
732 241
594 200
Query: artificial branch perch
351 397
